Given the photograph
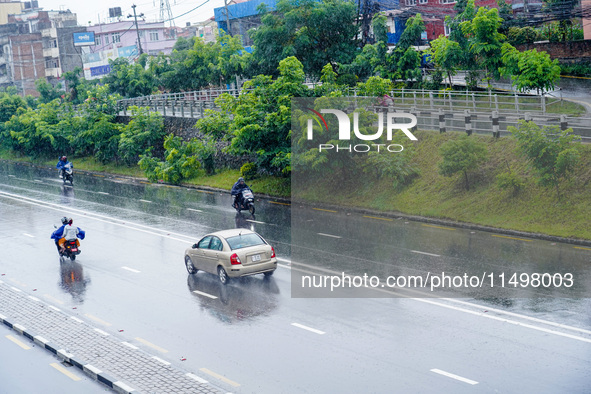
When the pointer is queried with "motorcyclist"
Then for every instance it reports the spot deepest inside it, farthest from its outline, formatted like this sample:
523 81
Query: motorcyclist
237 190
57 234
61 164
69 233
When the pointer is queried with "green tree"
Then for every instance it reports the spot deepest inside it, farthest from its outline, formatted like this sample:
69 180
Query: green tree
447 55
553 153
530 69
485 40
9 106
463 155
180 161
47 92
145 130
317 33
404 62
130 79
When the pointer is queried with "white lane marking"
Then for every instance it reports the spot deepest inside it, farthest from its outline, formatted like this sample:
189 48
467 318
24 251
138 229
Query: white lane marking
15 289
329 235
197 378
145 200
255 221
456 377
111 220
101 332
35 298
28 235
38 181
284 260
194 210
100 218
76 319
105 193
545 322
12 176
204 294
488 316
308 328
129 345
161 360
131 269
54 308
428 254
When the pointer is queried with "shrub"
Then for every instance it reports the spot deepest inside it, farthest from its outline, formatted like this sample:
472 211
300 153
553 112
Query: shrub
510 181
248 171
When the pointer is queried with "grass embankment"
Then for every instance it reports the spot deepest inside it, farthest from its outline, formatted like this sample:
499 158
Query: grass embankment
273 186
534 209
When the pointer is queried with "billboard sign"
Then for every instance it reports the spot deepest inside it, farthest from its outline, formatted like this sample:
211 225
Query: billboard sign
84 39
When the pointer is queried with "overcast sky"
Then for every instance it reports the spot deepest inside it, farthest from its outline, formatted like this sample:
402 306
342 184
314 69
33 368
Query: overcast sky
92 10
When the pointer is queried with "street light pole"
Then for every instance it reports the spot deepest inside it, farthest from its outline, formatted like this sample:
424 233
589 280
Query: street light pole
137 30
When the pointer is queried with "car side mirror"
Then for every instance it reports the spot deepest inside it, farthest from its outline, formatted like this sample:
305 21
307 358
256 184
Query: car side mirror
195 246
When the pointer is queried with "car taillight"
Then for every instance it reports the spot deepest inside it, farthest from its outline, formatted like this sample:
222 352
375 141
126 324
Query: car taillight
273 252
234 259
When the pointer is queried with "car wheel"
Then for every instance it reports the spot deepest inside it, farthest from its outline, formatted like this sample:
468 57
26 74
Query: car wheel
223 275
190 267
269 273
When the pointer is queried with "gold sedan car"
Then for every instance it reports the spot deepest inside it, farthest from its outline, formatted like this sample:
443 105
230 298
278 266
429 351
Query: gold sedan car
231 254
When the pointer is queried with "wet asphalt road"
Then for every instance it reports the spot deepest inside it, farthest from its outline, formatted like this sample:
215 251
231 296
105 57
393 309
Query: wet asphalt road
253 336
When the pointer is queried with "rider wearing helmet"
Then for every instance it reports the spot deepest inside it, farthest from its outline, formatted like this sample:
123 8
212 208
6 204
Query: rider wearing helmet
63 160
237 190
67 232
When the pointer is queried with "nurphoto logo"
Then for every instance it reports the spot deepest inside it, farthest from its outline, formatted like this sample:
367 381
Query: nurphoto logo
344 132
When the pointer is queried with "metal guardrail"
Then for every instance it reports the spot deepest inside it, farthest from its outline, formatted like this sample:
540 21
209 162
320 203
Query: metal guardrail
442 110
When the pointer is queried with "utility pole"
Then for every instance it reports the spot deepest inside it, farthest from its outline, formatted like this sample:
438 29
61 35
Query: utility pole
227 18
137 29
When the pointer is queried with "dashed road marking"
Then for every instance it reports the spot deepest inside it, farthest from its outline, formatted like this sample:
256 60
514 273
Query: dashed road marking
375 217
158 348
65 372
518 239
425 253
194 210
104 193
255 221
205 191
308 328
145 200
131 269
580 247
96 319
204 294
28 235
440 227
456 377
279 203
220 377
16 341
324 210
329 235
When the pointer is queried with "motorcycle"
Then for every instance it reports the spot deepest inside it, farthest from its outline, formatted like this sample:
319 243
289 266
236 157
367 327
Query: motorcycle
71 250
68 173
245 201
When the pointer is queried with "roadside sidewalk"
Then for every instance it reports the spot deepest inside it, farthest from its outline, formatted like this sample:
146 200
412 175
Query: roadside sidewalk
110 360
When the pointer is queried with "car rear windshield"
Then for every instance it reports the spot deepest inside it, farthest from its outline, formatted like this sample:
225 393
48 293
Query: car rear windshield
244 241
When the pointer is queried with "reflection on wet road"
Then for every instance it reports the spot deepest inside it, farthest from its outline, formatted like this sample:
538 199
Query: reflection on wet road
252 336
